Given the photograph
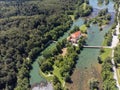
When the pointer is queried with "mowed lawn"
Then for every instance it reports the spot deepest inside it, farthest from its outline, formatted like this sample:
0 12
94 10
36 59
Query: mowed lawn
104 42
56 72
83 28
107 53
48 77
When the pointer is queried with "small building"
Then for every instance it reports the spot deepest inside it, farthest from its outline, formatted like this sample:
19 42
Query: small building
74 37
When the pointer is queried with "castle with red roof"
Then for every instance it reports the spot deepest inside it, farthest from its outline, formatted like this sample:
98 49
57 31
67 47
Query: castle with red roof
74 37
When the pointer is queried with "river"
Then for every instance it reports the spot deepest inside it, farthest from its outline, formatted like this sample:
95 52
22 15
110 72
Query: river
87 66
87 63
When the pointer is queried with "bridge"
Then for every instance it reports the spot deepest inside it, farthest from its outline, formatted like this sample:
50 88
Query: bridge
97 47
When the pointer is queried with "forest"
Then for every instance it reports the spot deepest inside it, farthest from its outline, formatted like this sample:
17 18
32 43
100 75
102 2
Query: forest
26 27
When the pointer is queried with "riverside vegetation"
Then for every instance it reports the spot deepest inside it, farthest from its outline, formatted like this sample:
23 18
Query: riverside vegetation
105 57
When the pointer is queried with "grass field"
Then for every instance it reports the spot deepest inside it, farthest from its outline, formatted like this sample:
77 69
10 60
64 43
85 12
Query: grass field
83 29
107 53
48 77
104 42
56 72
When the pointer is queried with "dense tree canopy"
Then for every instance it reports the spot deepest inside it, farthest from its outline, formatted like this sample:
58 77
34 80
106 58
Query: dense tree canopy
83 9
107 75
26 28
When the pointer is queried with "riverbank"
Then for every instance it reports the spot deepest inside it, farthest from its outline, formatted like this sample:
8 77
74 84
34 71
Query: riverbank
115 42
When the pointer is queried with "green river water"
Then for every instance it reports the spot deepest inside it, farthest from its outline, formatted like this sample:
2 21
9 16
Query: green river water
95 37
88 56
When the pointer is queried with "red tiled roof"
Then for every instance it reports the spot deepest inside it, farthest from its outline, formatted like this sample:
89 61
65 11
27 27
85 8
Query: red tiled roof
76 35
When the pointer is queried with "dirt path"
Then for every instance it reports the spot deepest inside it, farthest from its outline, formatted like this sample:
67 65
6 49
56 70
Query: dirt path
64 51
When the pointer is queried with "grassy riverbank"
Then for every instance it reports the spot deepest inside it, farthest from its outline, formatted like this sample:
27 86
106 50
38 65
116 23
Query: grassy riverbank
105 52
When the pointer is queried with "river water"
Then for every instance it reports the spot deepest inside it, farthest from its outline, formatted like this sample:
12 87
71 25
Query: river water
88 57
87 66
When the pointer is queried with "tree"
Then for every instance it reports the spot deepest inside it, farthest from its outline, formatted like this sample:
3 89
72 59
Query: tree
93 84
46 66
57 86
106 2
55 80
102 50
67 77
99 60
108 17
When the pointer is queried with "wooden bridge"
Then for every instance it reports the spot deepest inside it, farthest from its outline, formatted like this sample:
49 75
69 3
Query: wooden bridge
97 47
